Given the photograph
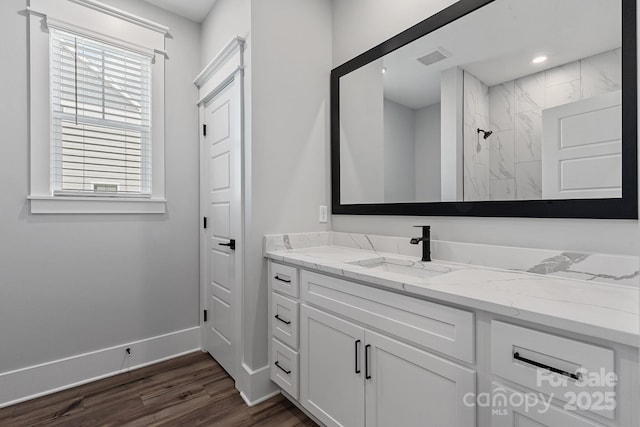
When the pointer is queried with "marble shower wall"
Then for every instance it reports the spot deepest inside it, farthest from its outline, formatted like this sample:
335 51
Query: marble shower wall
515 111
476 149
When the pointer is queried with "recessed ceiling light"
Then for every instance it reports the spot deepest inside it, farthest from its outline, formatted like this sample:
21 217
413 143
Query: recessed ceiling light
384 70
539 59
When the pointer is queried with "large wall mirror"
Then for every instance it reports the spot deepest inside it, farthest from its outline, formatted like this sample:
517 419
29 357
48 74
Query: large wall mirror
492 108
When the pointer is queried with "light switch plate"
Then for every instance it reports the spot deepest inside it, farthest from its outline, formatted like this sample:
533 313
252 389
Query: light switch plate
323 214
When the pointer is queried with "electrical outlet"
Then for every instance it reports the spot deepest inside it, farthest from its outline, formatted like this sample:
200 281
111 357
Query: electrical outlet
323 214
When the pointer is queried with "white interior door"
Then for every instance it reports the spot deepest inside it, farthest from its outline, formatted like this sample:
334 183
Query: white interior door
222 207
582 149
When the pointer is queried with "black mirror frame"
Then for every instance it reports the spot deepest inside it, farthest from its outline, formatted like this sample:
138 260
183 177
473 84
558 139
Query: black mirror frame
621 208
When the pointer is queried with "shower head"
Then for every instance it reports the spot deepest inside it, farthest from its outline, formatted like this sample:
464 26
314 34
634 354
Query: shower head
486 133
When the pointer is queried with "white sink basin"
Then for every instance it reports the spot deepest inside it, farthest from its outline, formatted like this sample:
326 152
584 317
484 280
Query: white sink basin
420 270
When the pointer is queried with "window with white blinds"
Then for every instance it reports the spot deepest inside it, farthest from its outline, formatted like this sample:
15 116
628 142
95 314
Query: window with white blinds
101 118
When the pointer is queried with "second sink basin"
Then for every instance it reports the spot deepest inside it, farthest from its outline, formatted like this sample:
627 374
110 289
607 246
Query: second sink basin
405 267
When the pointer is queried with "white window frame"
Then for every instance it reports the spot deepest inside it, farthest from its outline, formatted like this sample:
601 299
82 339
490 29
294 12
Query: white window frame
102 22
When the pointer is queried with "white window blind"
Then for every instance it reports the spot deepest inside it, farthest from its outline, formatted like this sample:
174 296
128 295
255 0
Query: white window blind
101 118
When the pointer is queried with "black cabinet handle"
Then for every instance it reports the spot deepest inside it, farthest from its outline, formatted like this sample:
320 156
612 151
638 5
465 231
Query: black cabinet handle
576 376
357 356
282 320
282 280
366 361
282 369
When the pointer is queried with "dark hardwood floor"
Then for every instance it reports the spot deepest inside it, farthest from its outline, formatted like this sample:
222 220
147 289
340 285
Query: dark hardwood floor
192 390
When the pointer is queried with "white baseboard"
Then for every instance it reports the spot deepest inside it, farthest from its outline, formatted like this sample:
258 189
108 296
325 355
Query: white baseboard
302 408
256 386
50 377
260 400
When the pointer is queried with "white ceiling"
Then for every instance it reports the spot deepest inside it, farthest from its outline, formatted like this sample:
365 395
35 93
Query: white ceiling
195 10
497 43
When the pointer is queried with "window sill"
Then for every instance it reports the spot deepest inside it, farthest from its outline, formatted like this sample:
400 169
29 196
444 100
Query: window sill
96 205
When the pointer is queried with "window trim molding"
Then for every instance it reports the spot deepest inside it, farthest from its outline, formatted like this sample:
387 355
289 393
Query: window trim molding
94 16
96 205
122 14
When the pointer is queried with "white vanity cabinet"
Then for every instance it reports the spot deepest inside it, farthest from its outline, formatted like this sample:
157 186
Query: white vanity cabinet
355 355
284 327
364 354
351 376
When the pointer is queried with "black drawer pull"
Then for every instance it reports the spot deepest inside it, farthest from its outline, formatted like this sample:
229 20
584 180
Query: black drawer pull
366 361
282 280
576 376
282 369
357 358
282 320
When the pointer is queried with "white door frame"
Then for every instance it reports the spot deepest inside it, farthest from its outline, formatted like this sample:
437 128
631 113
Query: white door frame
225 67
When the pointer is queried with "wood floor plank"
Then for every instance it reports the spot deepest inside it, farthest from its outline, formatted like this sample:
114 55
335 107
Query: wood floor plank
191 390
226 412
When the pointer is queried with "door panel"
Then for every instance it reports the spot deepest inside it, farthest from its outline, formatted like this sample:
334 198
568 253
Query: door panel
220 124
220 269
410 387
220 172
582 148
220 219
221 293
330 387
222 152
222 318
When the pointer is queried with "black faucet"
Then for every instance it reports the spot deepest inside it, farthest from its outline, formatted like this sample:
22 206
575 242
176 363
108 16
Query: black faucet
426 242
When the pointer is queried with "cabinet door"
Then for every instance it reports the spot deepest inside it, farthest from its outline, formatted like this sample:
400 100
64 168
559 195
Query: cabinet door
512 408
331 368
410 387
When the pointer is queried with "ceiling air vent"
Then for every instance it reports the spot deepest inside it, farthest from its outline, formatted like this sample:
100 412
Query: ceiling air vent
433 57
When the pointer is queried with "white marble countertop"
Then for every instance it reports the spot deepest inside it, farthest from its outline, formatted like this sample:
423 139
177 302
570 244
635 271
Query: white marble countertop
606 311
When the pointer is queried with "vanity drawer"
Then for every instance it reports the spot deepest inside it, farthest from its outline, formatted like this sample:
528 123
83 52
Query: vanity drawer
554 365
284 324
284 367
512 409
284 279
433 326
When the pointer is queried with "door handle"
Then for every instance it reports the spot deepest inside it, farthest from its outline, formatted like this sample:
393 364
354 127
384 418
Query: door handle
357 356
281 279
231 245
366 362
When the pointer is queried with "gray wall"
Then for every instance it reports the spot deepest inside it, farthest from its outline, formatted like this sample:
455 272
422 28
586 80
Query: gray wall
71 284
427 154
292 64
359 25
399 153
227 19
